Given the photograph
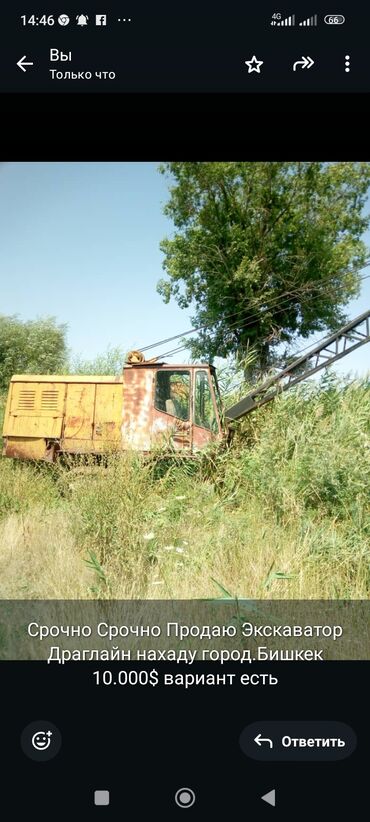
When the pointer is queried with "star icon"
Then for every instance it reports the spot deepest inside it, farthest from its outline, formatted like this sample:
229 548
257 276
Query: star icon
254 65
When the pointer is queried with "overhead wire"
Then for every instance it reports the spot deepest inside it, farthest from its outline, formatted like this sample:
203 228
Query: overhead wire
281 307
290 294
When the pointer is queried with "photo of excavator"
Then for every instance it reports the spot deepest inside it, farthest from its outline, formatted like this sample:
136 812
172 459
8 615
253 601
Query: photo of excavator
150 404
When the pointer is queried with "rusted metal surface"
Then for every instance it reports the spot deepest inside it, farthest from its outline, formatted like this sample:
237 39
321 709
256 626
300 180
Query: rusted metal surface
108 413
137 408
88 446
79 411
169 430
25 449
77 414
135 357
201 436
47 415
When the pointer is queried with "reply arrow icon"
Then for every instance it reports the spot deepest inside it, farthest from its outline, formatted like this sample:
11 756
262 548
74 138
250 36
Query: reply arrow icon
306 62
22 63
259 739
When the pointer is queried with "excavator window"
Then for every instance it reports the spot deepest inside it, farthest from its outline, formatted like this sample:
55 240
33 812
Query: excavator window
172 393
218 397
204 412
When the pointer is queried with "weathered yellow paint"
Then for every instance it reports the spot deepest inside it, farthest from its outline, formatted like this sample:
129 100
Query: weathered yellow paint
79 411
35 410
25 448
108 412
91 446
66 378
81 414
7 410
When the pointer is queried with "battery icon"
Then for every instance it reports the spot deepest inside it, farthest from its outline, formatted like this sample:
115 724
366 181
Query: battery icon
334 19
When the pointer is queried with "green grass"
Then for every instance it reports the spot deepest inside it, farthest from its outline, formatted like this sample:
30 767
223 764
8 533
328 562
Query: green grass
26 485
282 513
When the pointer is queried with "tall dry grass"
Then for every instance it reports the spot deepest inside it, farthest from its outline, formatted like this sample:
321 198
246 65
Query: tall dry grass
283 513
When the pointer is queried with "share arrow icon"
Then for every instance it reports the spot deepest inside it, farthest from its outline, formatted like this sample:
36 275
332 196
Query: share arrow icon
306 62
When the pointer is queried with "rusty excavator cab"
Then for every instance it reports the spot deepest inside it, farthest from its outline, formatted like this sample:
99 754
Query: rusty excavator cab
150 405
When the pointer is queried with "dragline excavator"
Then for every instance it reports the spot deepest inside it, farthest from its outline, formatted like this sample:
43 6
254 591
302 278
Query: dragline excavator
151 404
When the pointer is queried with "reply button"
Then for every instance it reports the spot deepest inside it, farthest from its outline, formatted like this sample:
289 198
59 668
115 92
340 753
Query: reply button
298 741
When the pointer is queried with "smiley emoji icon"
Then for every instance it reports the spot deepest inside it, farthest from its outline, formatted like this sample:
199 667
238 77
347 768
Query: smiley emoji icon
41 740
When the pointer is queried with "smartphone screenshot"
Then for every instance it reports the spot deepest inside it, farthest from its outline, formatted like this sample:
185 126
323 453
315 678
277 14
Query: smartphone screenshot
184 409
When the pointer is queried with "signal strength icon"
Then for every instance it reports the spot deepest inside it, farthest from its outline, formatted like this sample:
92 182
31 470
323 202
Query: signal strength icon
289 21
311 21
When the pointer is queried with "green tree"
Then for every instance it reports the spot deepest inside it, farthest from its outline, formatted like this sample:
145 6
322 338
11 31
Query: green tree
33 347
111 362
265 252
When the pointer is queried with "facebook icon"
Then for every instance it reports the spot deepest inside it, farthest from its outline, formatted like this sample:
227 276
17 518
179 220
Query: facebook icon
100 19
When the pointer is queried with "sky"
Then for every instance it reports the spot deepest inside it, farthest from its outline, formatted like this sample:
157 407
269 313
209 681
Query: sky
80 242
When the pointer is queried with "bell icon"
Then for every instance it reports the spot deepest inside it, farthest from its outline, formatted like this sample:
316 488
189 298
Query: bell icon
82 19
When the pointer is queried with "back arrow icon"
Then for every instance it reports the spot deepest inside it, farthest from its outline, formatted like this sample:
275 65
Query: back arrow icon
306 62
270 798
21 63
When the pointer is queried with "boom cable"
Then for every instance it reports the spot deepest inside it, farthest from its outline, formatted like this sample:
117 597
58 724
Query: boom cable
266 303
277 302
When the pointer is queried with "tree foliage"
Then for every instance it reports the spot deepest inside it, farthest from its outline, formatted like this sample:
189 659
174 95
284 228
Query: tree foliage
265 252
110 362
33 347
